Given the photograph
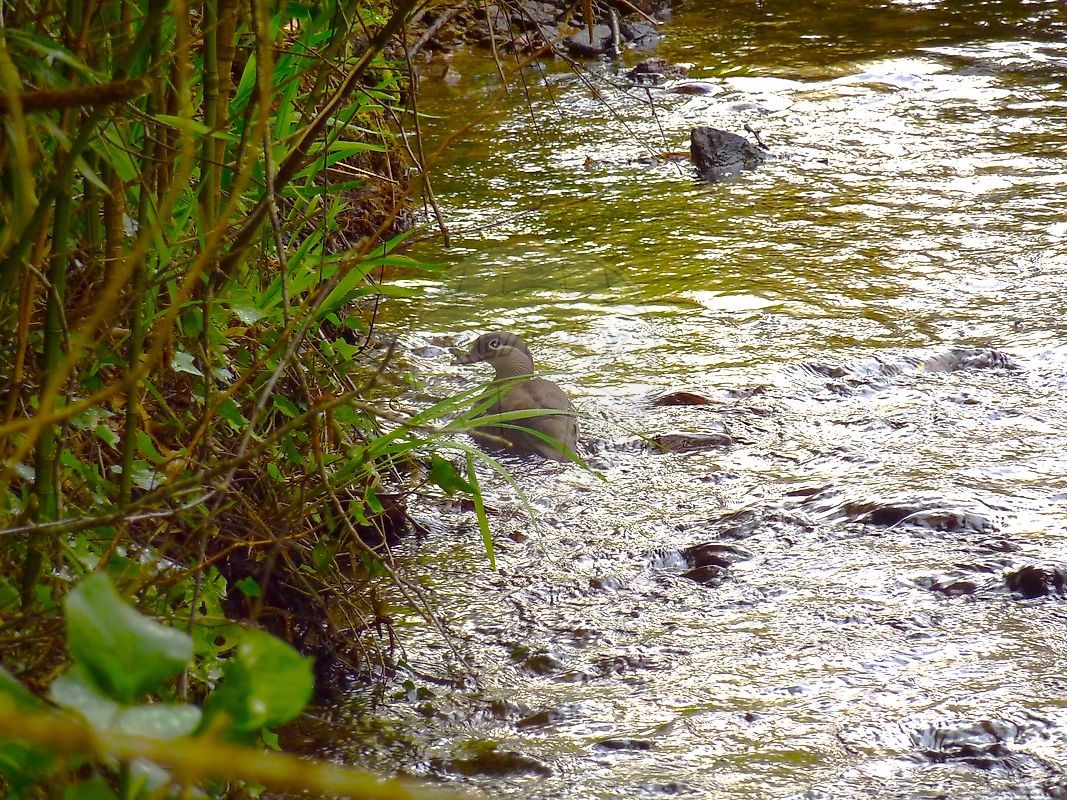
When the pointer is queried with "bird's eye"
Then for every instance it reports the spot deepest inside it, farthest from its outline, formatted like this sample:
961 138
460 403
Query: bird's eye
494 344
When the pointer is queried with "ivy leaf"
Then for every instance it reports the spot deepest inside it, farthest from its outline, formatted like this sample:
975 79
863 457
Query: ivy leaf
76 690
185 362
158 720
20 764
126 653
265 683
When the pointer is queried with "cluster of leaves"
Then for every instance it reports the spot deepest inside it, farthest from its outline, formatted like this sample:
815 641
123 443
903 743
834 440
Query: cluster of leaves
198 206
117 699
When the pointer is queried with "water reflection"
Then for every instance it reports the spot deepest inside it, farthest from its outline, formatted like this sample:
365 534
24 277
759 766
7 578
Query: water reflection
875 318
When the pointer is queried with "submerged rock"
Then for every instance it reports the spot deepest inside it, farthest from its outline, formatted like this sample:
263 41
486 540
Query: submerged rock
1037 580
682 398
985 744
624 743
487 760
970 358
918 514
719 155
694 88
690 442
654 70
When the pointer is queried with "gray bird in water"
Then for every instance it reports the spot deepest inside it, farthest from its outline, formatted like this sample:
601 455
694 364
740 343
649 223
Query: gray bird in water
511 358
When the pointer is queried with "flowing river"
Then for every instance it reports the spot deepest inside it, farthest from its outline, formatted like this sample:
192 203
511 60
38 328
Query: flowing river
846 575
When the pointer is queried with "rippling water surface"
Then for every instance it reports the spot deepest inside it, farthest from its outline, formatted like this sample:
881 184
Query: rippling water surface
857 597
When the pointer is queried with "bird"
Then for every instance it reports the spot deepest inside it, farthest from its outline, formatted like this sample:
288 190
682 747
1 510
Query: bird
511 359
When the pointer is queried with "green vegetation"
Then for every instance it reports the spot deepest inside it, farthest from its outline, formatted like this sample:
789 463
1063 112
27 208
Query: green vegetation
199 208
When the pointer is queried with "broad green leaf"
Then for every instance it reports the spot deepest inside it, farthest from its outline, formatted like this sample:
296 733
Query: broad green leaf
147 447
266 683
246 311
158 720
185 362
107 436
75 690
322 556
285 405
12 688
126 653
248 587
230 412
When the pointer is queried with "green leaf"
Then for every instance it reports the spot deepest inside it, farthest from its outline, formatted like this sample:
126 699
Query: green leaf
12 688
479 510
285 405
158 720
75 690
266 683
192 126
246 311
107 436
248 587
90 789
9 595
185 362
322 556
231 412
126 653
444 474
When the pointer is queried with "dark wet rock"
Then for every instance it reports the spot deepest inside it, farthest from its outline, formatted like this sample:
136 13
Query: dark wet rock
966 579
639 34
610 583
835 371
621 664
971 358
624 743
682 398
987 744
669 789
745 392
694 88
542 664
485 759
690 442
655 70
504 709
710 562
720 154
498 18
721 554
918 514
1037 580
540 719
574 676
750 522
952 585
537 663
708 575
534 16
580 44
